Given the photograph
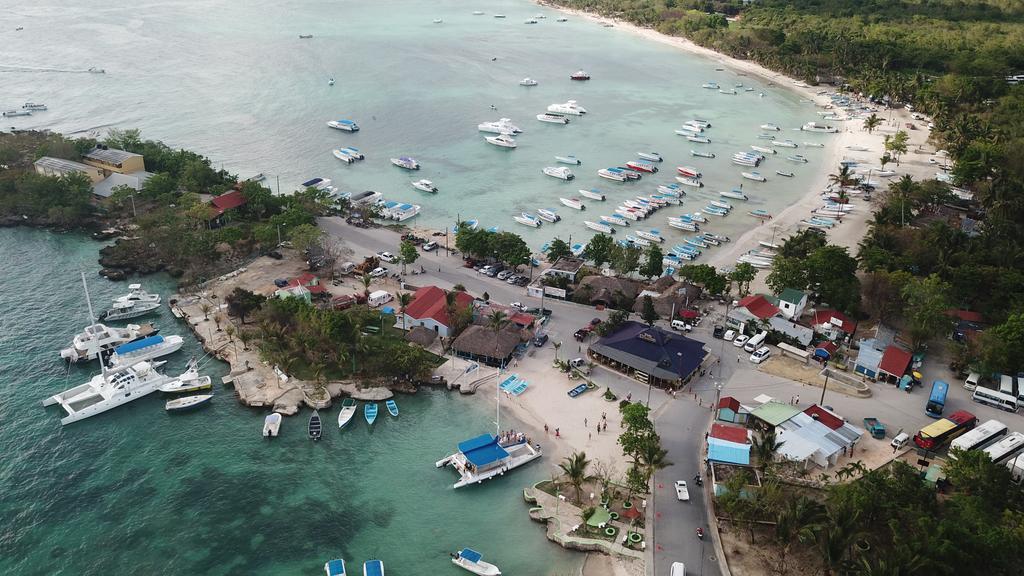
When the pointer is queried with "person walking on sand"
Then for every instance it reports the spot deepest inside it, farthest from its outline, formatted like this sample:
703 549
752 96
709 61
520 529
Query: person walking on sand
557 433
796 402
584 422
545 429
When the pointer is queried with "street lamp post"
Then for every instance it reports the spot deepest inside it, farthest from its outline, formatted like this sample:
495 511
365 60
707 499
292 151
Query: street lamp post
824 386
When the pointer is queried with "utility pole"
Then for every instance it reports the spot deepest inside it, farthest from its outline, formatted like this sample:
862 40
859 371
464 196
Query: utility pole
824 386
278 184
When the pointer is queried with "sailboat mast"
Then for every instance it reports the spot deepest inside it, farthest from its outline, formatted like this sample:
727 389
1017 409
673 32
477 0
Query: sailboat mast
88 301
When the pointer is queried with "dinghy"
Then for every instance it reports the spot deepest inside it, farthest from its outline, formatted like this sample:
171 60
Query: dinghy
472 561
315 427
271 425
373 567
348 410
370 412
187 403
392 408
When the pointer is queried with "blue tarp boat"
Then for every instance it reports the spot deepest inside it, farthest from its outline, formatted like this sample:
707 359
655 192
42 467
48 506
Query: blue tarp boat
577 390
138 345
392 408
335 568
373 568
370 412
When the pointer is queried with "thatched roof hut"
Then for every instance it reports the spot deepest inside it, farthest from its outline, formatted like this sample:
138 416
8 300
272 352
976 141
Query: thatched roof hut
483 345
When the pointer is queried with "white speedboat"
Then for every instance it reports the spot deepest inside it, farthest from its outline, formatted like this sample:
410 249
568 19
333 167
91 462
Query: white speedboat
815 127
689 129
698 139
530 21
271 425
569 160
652 156
188 381
671 190
424 185
478 13
721 204
98 339
527 82
784 143
348 410
472 561
652 235
688 181
569 107
562 19
145 349
814 144
107 390
682 224
593 194
527 219
499 15
616 219
400 211
187 403
560 172
343 156
688 171
618 176
573 203
755 176
500 126
710 85
599 227
762 149
125 309
406 162
702 154
137 294
552 118
638 241
501 140
786 174
627 212
770 126
354 153
797 158
345 125
548 215
438 21
729 91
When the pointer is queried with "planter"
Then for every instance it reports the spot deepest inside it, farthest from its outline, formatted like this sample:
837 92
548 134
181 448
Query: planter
591 385
635 538
627 504
614 515
863 545
611 531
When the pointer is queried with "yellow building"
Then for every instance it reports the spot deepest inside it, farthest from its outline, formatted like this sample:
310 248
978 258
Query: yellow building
112 160
49 166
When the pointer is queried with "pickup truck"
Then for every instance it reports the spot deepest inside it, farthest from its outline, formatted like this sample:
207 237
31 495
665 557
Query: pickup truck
681 491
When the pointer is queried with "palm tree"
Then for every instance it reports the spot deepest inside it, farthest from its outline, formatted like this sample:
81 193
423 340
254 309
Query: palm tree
872 122
835 536
765 445
652 457
798 520
230 331
557 345
497 322
366 280
404 298
843 178
575 469
206 310
245 336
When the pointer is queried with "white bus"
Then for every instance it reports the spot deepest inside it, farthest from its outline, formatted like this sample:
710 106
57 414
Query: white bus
995 398
755 342
1006 384
1006 447
980 437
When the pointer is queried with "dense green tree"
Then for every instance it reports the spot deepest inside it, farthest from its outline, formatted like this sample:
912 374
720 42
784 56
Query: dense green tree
1002 346
653 267
558 249
306 236
625 259
599 249
925 302
407 253
743 274
510 248
242 303
832 273
649 315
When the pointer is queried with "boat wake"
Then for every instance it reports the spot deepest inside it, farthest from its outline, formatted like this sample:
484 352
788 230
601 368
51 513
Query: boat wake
43 69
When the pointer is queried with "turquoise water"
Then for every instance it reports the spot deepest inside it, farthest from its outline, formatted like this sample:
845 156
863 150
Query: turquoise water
233 81
139 491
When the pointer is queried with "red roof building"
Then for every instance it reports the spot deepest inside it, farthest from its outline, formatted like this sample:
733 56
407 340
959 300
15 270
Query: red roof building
831 322
966 315
825 417
308 281
759 306
429 308
729 433
894 362
730 403
227 201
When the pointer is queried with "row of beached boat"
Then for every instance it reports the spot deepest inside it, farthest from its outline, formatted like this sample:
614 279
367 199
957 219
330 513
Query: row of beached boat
467 559
314 428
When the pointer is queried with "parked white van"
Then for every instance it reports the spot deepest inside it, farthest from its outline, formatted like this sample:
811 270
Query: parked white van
972 381
1006 384
379 298
755 342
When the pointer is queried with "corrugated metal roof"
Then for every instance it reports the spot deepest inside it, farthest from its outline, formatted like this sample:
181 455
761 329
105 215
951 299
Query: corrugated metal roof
728 452
110 155
62 165
775 413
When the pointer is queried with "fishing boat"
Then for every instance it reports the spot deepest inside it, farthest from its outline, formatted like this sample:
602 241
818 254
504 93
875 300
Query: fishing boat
500 126
797 158
696 241
425 185
145 349
569 160
786 174
784 143
755 176
552 118
189 381
187 403
501 140
702 154
814 144
715 211
629 174
665 198
392 408
642 166
687 181
710 85
593 194
573 203
527 82
629 213
728 91
745 160
568 107
699 139
16 113
548 215
348 410
717 237
271 425
708 238
762 214
616 219
671 190
406 162
560 172
472 561
599 227
653 235
638 241
721 204
335 568
683 225
527 219
770 126
651 156
315 426
344 125
696 217
611 174
688 171
343 156
370 412
763 149
815 127
375 567
579 74
125 309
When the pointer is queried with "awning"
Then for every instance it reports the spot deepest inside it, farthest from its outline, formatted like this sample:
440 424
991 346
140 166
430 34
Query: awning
688 314
482 450
471 555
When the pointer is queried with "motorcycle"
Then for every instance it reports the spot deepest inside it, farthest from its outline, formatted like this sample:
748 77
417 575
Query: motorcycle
700 533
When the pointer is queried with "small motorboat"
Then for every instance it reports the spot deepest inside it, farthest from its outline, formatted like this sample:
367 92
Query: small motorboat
710 85
653 235
548 215
786 174
770 126
763 149
343 156
344 125
755 176
438 21
797 158
305 36
560 172
501 140
702 154
527 219
580 75
425 185
375 567
688 181
721 204
330 82
599 227
650 156
688 171
569 160
335 568
271 425
354 153
573 203
472 561
616 219
348 410
638 241
642 166
187 403
784 143
552 118
406 162
593 194
315 426
761 214
814 144
699 139
392 408
189 381
527 82
370 412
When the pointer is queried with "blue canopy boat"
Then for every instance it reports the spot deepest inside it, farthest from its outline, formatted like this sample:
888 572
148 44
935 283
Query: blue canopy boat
335 567
370 412
486 456
392 408
473 561
373 567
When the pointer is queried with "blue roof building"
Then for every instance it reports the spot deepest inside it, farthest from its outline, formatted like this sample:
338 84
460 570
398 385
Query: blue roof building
650 354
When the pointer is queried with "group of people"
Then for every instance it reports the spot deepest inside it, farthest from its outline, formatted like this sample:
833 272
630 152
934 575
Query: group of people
510 437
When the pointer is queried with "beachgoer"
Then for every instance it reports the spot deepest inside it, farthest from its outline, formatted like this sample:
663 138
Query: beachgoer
797 401
545 428
584 422
557 433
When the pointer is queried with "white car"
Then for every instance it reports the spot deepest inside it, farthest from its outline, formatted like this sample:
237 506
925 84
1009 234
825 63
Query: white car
378 272
740 340
729 335
681 491
678 569
387 256
761 354
518 306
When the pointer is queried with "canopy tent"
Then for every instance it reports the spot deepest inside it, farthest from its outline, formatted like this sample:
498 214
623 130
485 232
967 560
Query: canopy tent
688 314
471 555
482 450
